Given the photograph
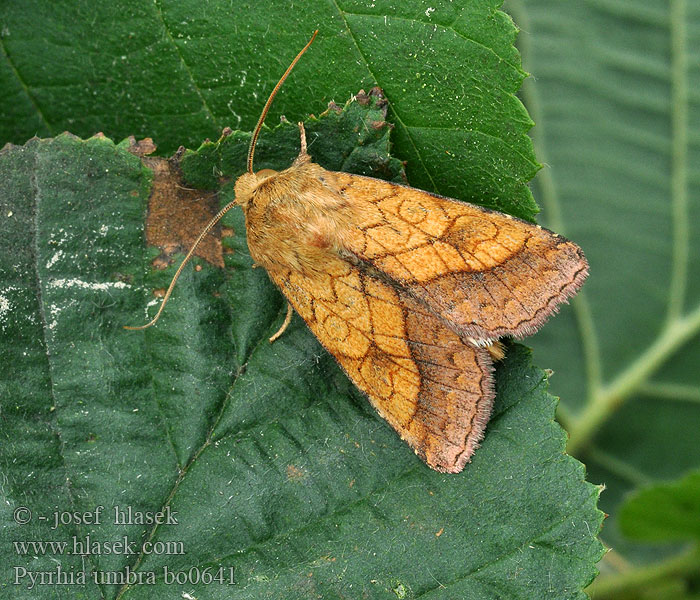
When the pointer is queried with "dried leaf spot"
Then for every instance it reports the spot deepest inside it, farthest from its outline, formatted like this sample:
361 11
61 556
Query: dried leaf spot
142 147
160 262
176 214
295 474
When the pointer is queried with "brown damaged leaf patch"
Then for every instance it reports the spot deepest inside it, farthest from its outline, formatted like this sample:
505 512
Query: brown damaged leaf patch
177 214
142 147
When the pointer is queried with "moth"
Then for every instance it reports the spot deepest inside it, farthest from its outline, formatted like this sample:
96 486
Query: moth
408 290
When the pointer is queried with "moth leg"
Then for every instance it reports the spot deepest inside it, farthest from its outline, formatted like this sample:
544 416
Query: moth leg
302 132
497 350
303 157
287 320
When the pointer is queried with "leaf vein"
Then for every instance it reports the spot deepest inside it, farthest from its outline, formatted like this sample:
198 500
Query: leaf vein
393 108
569 516
198 91
24 86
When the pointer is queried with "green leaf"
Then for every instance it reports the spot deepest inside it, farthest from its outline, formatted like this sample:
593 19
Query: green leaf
275 465
271 462
180 72
664 512
354 139
614 98
661 513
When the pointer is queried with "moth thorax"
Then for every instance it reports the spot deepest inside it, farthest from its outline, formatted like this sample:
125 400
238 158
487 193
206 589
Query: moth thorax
247 183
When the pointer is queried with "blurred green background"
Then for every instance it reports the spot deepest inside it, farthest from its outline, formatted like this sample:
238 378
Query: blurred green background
615 96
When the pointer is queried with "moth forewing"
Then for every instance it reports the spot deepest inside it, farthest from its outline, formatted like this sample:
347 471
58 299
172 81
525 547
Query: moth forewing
390 279
409 291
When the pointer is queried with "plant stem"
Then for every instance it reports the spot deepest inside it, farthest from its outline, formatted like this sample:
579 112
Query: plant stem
609 397
611 586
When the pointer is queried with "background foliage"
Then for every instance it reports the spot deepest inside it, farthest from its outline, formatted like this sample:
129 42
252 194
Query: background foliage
617 127
618 122
275 466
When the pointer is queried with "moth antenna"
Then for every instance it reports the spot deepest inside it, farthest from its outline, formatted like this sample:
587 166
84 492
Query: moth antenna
261 120
202 235
225 209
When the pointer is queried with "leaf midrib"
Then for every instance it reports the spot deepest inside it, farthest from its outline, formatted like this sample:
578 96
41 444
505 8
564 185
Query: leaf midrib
388 484
679 161
393 108
184 470
519 549
205 106
36 192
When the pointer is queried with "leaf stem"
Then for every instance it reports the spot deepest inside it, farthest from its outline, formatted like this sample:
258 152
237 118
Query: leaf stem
679 159
343 16
208 113
678 392
604 399
619 468
609 397
611 586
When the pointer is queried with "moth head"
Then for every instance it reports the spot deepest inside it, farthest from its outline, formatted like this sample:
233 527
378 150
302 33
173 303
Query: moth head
244 188
247 183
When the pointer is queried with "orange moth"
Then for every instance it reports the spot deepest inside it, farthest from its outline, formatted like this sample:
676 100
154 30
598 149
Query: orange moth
409 291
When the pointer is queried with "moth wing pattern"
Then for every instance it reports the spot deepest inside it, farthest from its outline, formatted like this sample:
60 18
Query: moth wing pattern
408 290
488 274
434 389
